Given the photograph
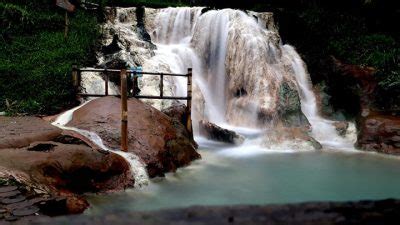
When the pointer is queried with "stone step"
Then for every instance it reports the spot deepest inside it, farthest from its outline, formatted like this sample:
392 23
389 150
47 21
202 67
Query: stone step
9 194
8 201
8 189
26 211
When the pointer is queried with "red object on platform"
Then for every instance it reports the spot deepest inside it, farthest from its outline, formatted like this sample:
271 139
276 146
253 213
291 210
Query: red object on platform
65 4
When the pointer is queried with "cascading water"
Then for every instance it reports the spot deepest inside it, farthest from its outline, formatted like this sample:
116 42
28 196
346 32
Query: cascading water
322 129
239 67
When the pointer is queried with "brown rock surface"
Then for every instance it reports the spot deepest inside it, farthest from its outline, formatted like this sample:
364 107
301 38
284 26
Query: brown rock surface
364 77
162 143
17 132
59 168
380 133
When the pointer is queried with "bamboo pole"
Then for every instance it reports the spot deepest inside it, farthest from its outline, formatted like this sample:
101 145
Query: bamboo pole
189 102
124 112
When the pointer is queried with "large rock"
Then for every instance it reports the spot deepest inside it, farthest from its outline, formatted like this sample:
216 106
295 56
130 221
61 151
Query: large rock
57 168
49 160
214 132
380 133
17 132
162 143
289 107
284 138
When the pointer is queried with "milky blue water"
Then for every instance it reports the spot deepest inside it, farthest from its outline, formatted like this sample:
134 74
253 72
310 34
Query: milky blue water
225 177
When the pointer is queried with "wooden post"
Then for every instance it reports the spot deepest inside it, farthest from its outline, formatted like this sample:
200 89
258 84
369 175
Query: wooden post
75 78
124 111
189 102
66 26
134 84
161 85
106 83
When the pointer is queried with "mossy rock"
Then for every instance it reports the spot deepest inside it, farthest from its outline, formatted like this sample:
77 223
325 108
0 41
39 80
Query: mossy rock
289 108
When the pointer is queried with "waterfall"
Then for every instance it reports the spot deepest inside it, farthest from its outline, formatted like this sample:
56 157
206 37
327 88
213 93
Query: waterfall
322 129
239 67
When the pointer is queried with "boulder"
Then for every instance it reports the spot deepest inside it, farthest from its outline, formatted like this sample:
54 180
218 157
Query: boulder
57 168
46 160
380 133
297 138
214 132
178 112
162 143
18 132
289 107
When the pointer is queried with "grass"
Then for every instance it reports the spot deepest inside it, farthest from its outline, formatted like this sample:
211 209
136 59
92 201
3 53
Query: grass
36 61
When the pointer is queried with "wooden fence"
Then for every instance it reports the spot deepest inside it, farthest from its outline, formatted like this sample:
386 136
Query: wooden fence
77 77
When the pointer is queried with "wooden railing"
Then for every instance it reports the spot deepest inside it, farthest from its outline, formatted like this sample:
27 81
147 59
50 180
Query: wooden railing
77 77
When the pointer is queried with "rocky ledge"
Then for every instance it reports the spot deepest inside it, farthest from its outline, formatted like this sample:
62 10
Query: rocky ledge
380 133
314 213
44 163
162 143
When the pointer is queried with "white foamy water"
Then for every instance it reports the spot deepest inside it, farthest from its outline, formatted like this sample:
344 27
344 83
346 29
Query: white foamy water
138 170
322 129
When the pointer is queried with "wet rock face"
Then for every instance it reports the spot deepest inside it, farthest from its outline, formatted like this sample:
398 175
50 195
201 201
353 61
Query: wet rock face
214 132
289 107
380 133
160 142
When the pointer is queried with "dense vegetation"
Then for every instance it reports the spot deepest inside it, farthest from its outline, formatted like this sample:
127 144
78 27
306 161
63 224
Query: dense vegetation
35 60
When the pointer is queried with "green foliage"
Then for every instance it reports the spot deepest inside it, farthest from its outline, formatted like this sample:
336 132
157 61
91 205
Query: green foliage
36 61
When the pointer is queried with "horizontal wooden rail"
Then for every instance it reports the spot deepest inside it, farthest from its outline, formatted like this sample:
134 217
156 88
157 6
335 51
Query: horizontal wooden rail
137 96
132 72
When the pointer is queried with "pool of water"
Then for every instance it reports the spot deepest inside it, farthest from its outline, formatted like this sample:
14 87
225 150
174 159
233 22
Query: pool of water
226 176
